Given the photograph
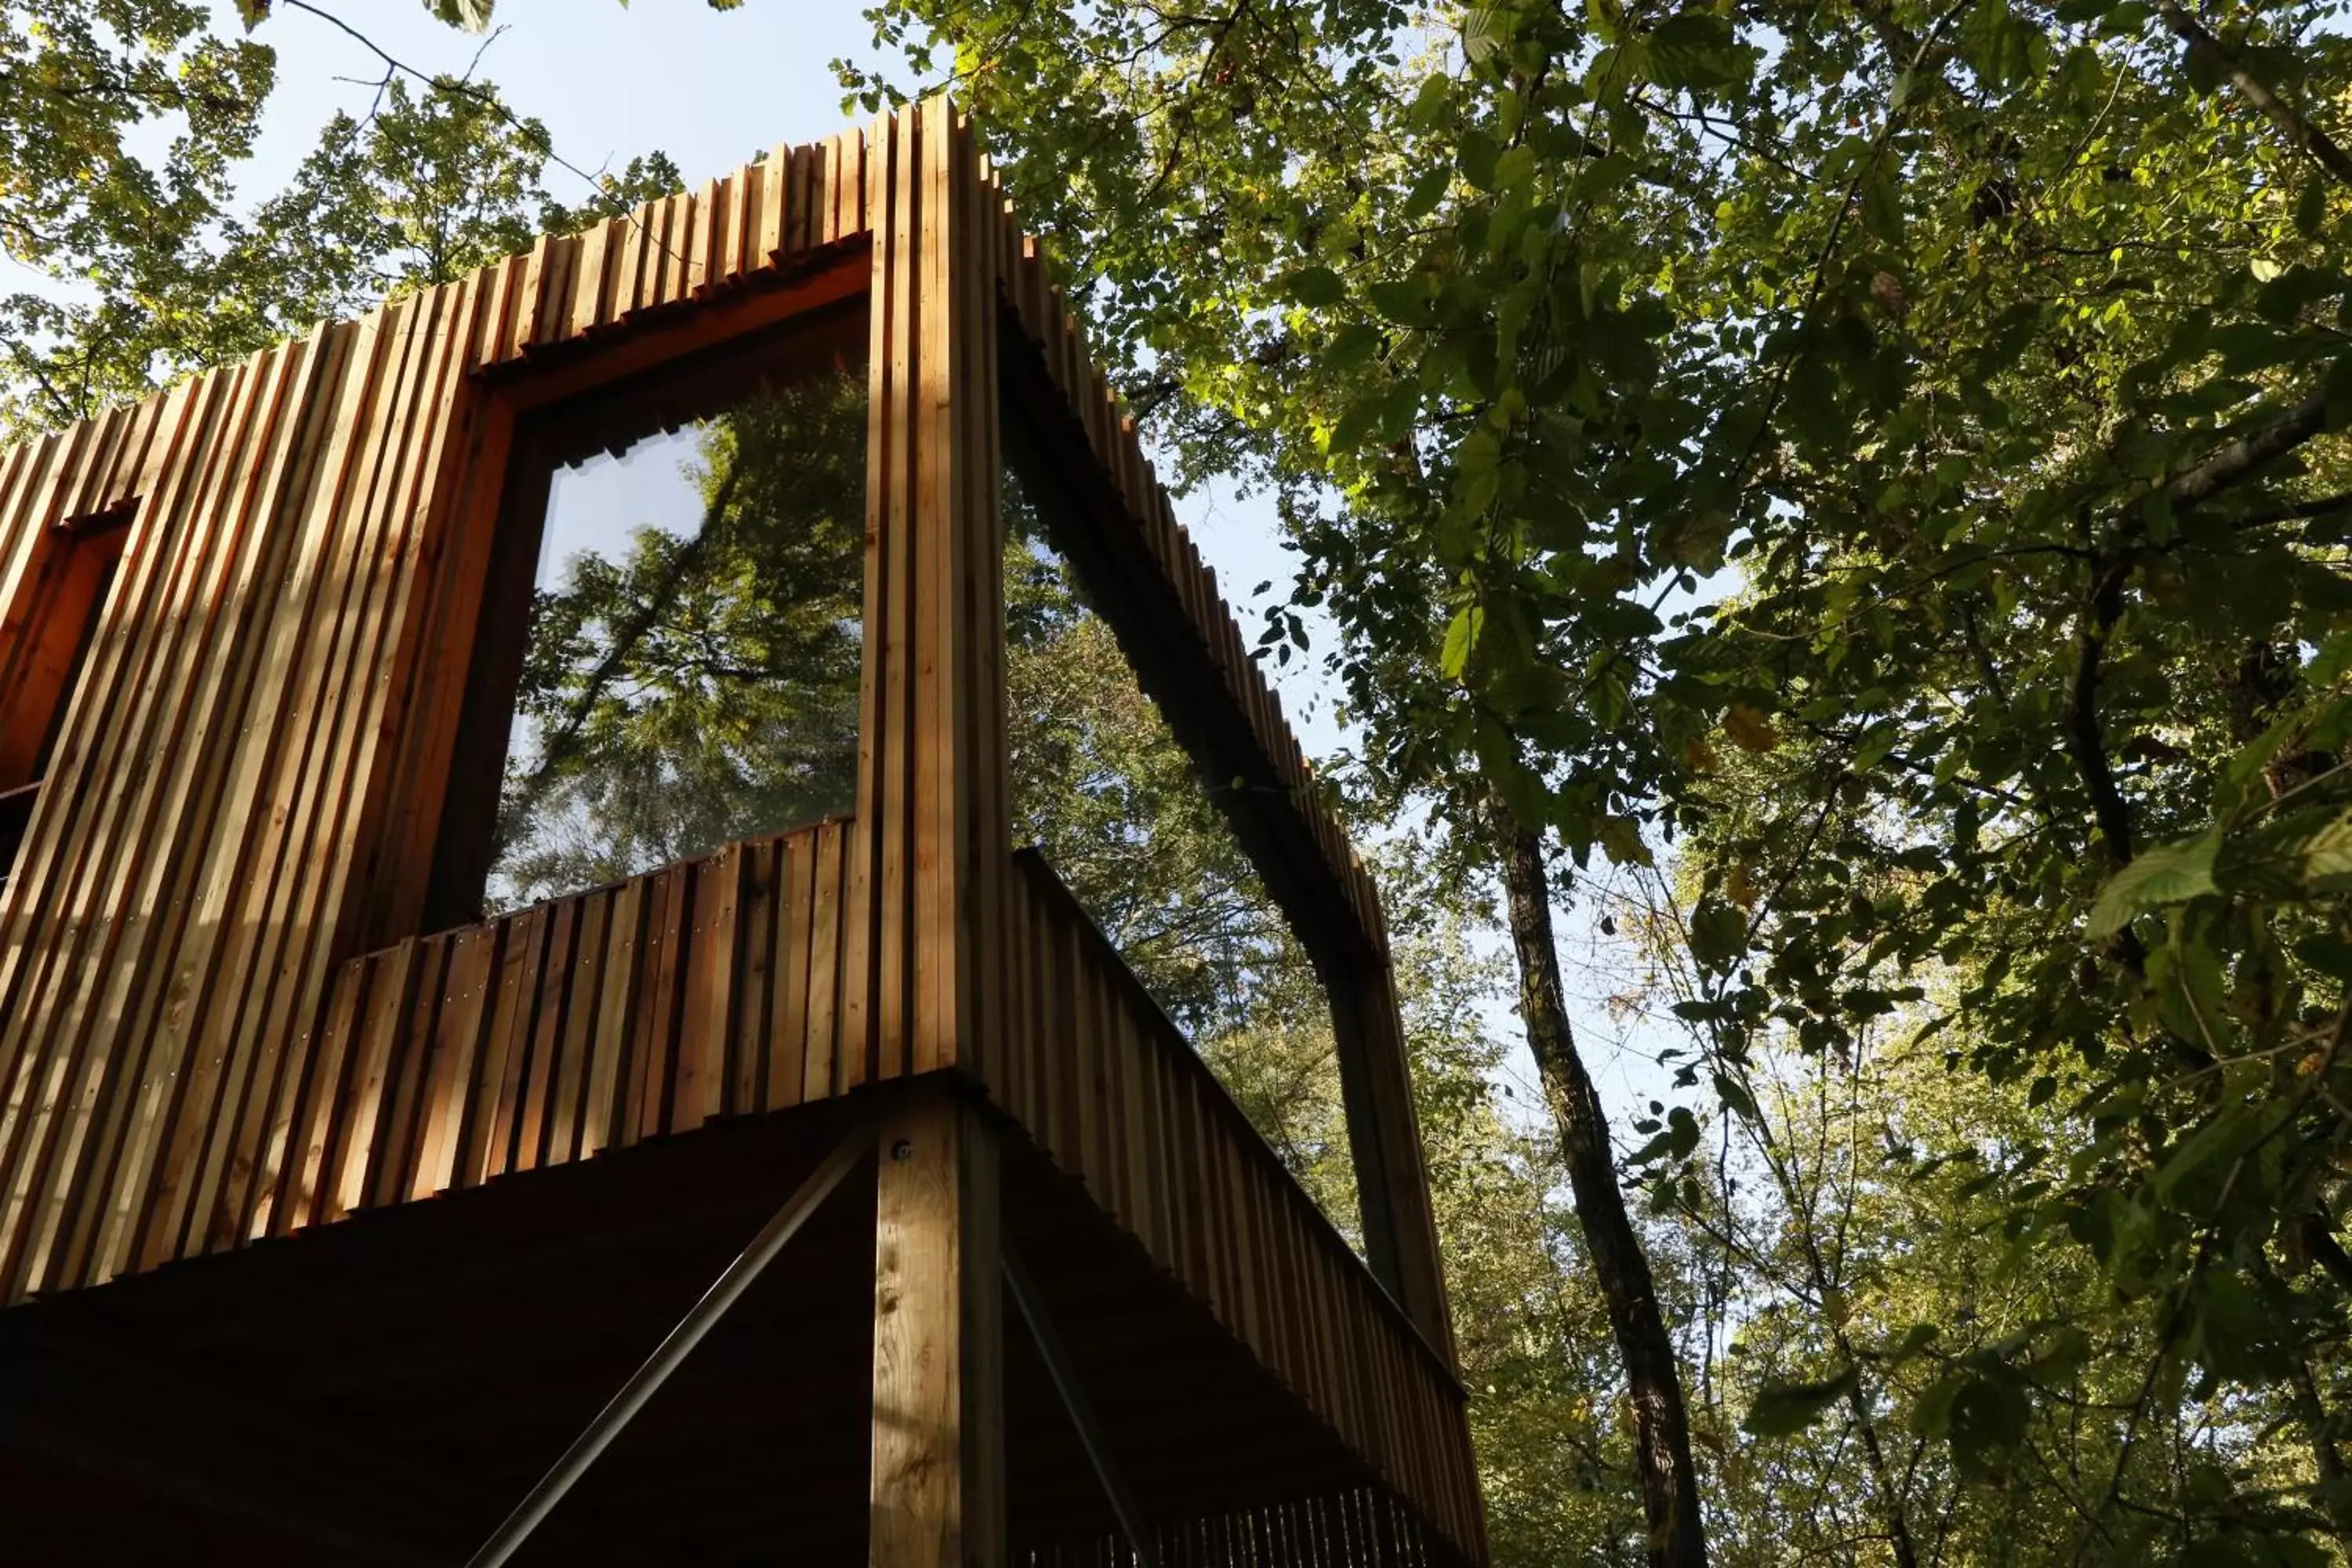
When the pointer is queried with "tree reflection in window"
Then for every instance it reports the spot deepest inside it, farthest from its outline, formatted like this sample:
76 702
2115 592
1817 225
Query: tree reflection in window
1121 812
694 680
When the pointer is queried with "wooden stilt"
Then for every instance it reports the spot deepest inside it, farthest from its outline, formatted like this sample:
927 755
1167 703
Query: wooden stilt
937 1496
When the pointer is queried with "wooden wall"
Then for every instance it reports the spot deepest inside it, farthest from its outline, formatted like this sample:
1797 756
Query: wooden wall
1352 1530
248 781
709 987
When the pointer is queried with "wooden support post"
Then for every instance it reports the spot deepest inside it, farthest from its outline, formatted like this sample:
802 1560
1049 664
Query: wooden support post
1385 1140
938 1499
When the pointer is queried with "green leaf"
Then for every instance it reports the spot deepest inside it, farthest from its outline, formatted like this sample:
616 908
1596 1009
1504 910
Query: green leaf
1740 1103
2199 1149
1485 31
1428 190
1462 639
1915 1339
1783 1409
473 16
1351 345
1316 287
1718 931
1987 1421
1403 301
2296 855
1999 47
1477 157
2170 874
2311 206
2011 334
1696 49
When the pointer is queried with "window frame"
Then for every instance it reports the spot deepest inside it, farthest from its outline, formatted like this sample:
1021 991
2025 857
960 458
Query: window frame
68 586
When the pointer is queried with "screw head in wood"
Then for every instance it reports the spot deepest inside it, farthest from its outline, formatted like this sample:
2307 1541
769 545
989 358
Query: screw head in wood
904 1149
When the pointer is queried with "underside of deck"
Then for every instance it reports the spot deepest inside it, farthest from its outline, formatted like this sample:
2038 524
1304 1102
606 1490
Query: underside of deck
385 1390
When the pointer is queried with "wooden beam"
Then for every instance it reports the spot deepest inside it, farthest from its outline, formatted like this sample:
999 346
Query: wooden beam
1078 1407
937 1493
646 1381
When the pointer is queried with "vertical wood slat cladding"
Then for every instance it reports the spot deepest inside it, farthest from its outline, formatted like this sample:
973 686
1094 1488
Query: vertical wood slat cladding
210 835
1351 1530
932 828
1160 1139
616 1014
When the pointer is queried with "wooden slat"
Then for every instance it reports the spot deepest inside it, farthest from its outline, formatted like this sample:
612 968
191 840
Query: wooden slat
749 1041
512 1037
793 1056
459 1034
833 1054
307 1164
616 1014
706 1068
653 1026
572 1133
535 1117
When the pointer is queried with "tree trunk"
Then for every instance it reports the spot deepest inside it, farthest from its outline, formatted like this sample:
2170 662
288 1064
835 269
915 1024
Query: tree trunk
1662 1431
2304 1393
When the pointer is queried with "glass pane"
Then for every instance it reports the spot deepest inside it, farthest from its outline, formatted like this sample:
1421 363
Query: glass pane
691 674
1119 808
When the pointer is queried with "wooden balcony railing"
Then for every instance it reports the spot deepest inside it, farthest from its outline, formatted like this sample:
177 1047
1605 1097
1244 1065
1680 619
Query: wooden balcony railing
1116 1095
712 987
708 987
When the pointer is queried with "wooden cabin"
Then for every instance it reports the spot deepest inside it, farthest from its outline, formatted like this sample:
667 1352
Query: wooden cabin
332 1215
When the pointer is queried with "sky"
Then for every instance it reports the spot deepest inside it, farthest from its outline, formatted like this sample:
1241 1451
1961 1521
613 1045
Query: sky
611 81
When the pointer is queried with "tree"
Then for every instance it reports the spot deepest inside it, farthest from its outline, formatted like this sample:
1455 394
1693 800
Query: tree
148 272
77 81
1938 401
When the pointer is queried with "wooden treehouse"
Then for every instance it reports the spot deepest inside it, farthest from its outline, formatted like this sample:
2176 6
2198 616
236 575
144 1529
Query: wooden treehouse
837 1194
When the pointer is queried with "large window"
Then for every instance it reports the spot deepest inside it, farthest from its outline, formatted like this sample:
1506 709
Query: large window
1131 824
54 622
680 668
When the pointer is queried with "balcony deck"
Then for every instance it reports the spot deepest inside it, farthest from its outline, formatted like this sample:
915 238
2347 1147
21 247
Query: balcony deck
518 1151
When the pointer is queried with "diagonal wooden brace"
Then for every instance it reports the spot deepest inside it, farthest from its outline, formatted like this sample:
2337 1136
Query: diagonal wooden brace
724 1292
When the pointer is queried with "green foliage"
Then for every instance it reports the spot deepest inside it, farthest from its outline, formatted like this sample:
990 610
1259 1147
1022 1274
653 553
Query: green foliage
1883 463
148 269
86 84
1781 1409
472 16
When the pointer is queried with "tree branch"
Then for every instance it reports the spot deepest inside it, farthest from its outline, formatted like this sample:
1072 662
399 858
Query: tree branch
2101 610
2238 457
2307 137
